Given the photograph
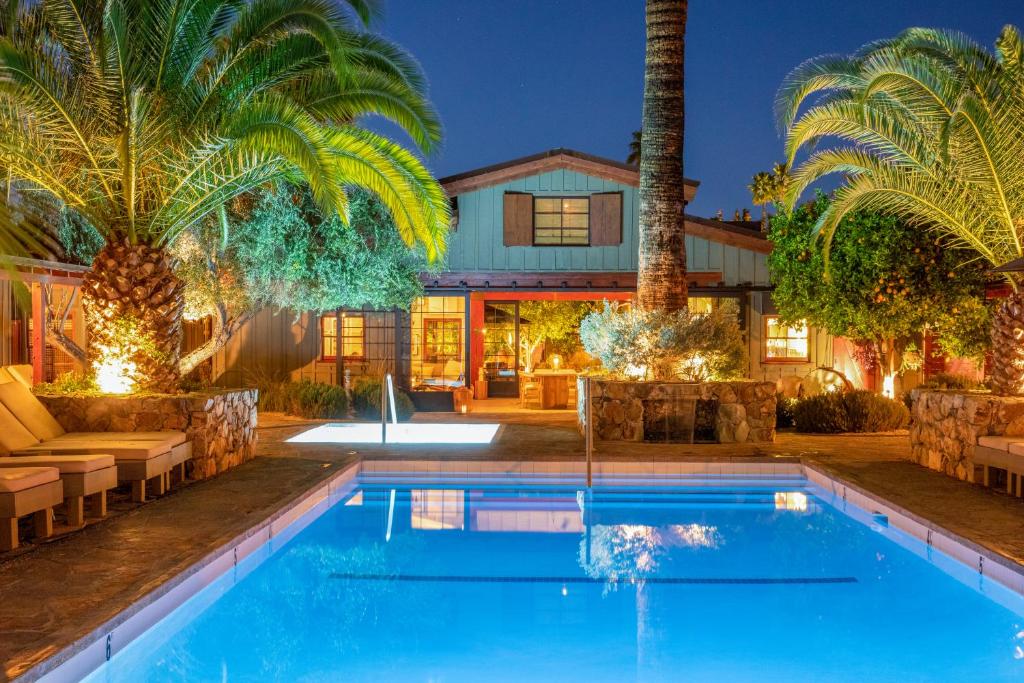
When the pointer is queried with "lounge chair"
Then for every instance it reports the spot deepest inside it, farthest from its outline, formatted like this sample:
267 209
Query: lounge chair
28 491
84 476
139 459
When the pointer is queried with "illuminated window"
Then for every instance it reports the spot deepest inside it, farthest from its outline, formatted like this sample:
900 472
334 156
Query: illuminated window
353 336
561 221
437 324
442 339
785 342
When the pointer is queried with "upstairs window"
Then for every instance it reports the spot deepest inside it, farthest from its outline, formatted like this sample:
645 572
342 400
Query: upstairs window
561 221
785 342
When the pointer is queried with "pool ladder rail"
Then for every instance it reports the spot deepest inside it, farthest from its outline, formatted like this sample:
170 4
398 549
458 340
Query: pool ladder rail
387 398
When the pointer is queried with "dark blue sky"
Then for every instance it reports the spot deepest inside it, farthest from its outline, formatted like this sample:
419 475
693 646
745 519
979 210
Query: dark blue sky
515 77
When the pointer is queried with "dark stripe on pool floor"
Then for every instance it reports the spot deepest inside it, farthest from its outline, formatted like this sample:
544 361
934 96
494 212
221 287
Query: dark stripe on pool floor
752 581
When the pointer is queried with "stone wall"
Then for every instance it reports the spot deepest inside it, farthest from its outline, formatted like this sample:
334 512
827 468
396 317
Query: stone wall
945 426
221 424
737 412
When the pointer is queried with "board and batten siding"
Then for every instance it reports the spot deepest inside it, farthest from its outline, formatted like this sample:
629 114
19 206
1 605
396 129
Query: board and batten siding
478 244
279 345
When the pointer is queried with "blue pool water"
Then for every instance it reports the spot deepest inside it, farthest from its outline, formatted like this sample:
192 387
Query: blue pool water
453 580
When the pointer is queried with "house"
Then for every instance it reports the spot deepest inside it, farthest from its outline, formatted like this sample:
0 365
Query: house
559 225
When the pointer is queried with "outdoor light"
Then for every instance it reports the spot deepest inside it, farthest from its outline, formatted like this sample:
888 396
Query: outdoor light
555 361
115 373
889 386
465 408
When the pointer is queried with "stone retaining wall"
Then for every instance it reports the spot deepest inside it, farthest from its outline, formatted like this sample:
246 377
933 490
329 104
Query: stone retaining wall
221 424
736 412
945 426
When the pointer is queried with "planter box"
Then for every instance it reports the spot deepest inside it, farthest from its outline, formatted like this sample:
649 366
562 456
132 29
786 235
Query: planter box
220 423
945 426
741 411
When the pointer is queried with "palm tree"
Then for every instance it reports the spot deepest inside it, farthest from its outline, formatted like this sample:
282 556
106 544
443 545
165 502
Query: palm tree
148 116
768 188
930 129
661 276
762 188
634 148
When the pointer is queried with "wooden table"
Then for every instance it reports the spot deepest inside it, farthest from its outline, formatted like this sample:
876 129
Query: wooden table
554 387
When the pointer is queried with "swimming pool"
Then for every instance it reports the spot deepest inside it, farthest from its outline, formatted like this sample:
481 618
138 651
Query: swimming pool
476 576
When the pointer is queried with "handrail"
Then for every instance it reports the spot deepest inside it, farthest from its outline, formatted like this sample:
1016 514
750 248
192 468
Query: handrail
387 398
588 429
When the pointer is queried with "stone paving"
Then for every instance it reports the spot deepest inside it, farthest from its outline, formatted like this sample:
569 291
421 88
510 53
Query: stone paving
54 593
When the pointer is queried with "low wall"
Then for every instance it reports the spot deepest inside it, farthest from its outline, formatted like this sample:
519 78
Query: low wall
741 411
221 424
945 426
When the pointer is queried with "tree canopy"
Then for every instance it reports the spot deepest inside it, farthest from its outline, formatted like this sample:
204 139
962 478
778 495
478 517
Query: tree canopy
884 280
281 251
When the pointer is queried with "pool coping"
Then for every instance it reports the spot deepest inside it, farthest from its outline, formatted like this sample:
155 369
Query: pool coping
92 650
89 652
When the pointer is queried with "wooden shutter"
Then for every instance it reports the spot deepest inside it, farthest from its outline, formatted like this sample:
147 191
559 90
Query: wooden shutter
518 219
606 219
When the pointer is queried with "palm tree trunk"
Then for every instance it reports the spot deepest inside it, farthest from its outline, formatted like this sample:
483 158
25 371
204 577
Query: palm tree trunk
1008 346
133 303
661 277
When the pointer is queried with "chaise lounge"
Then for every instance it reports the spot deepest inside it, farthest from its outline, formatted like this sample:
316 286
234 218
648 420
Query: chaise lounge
140 457
83 476
27 491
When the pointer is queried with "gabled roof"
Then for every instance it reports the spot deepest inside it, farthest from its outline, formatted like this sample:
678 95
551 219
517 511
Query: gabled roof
728 233
552 160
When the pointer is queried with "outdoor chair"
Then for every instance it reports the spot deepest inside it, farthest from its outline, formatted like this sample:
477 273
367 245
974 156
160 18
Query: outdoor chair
84 476
140 457
1005 453
27 491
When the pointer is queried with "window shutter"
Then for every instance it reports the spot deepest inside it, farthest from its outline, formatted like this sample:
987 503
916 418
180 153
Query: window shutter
606 219
518 219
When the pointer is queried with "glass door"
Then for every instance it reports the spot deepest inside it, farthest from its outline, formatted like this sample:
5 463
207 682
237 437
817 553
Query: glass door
501 348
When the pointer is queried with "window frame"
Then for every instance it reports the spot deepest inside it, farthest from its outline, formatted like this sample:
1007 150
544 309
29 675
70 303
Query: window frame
560 198
339 338
459 337
765 358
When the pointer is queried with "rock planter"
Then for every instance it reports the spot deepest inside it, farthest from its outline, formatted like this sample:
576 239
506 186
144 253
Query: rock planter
945 426
221 424
741 411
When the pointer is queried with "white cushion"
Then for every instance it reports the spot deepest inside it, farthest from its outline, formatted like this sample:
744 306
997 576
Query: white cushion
121 450
13 435
15 479
30 411
170 437
67 464
999 443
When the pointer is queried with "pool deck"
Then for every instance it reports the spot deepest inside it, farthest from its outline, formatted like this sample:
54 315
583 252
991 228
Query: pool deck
56 592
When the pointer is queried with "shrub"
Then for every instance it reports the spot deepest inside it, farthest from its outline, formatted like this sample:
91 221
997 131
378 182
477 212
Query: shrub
951 382
856 411
314 400
655 345
823 413
870 412
366 400
318 401
783 411
70 383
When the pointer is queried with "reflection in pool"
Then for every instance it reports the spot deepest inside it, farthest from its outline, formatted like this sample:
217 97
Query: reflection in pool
753 579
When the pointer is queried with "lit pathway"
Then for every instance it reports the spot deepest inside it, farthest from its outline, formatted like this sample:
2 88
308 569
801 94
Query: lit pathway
54 593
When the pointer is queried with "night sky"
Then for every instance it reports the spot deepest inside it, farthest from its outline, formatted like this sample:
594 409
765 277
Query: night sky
512 78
